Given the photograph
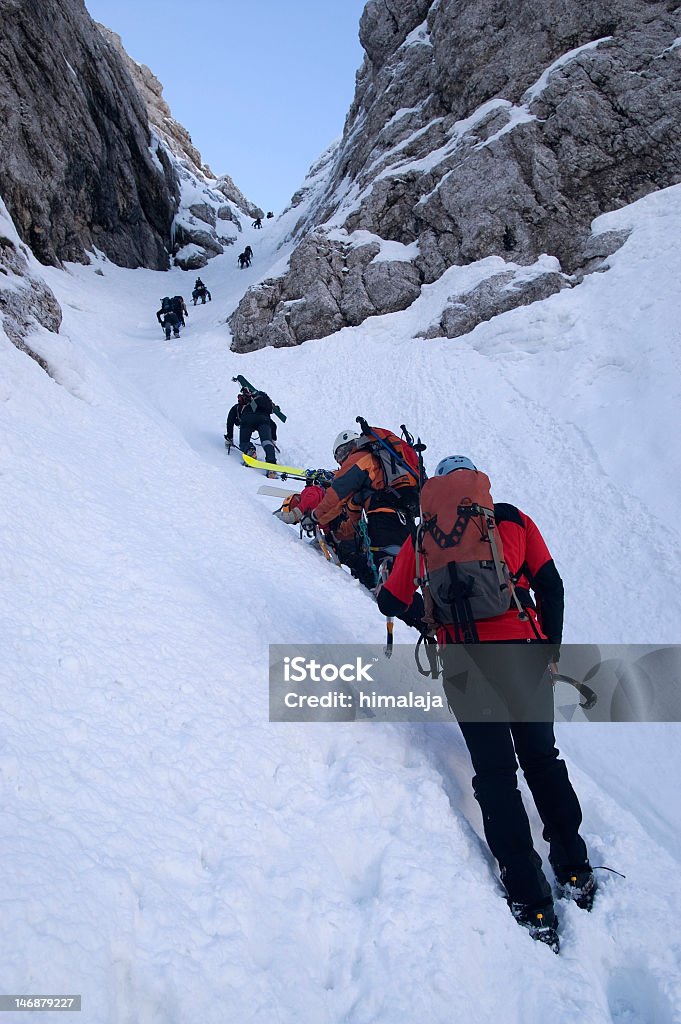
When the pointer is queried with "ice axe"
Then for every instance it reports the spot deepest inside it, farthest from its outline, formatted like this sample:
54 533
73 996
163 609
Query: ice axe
383 573
590 697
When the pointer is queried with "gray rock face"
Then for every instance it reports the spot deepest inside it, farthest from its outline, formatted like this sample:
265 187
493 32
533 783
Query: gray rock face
76 171
194 238
335 286
204 212
25 300
195 221
483 129
160 117
498 294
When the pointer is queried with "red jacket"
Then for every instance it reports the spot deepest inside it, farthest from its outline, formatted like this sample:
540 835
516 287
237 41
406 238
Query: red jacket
529 563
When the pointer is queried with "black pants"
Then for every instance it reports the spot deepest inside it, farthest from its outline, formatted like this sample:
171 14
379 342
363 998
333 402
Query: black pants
493 747
350 554
388 530
264 428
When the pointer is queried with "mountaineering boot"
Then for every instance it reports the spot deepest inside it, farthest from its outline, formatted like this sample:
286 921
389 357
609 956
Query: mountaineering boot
578 886
541 922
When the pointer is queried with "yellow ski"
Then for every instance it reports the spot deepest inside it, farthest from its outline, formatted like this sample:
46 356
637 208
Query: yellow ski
272 467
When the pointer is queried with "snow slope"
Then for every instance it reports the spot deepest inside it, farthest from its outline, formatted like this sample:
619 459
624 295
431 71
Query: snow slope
172 856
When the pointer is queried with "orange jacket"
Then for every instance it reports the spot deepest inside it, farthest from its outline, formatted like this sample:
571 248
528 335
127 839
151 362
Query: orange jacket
354 485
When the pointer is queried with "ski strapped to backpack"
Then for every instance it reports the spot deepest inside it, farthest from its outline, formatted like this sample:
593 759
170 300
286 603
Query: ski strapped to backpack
246 384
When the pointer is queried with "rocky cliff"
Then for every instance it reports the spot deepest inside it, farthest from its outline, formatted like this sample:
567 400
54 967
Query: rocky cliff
76 169
26 303
90 156
209 208
478 129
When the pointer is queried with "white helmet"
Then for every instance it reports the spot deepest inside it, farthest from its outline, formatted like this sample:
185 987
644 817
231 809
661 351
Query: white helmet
452 463
346 437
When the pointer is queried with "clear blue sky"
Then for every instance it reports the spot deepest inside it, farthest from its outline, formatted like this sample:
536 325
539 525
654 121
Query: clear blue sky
262 86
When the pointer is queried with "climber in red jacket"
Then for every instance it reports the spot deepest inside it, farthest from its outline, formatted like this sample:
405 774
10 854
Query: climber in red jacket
469 580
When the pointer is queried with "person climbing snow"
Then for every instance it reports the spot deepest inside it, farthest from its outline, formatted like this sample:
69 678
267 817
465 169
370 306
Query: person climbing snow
252 412
340 534
200 292
382 509
477 562
179 307
169 320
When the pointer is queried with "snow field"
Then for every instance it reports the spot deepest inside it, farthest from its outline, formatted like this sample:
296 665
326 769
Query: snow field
170 854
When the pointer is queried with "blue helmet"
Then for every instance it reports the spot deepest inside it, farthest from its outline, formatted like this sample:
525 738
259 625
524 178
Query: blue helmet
453 462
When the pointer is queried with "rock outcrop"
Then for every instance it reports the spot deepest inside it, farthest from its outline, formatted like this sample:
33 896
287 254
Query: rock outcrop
25 300
76 169
480 130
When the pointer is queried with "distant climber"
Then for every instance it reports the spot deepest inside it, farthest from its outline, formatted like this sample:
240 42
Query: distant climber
169 321
200 292
179 307
269 214
257 223
244 260
248 252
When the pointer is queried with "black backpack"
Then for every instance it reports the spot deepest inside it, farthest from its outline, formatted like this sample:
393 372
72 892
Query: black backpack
263 402
166 304
176 304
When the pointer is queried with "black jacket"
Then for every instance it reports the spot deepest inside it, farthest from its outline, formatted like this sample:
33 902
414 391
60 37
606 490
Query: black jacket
256 411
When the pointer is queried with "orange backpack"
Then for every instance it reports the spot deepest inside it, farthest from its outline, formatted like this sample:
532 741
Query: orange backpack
460 557
399 464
